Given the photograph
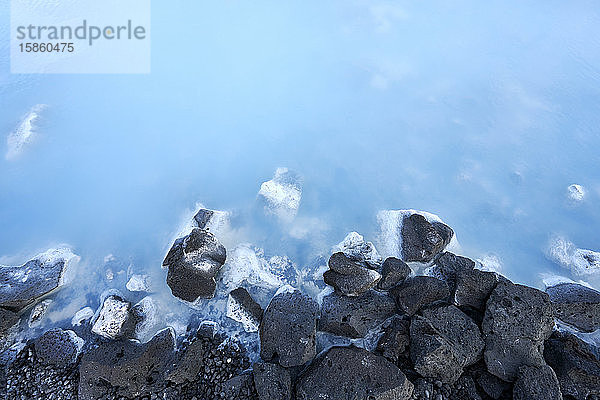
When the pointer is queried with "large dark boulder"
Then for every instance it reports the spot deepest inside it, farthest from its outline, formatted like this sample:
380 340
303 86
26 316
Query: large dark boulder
354 316
22 285
517 320
114 319
193 263
352 373
417 292
349 277
272 382
58 347
132 369
536 383
443 341
393 271
288 329
422 240
576 365
576 305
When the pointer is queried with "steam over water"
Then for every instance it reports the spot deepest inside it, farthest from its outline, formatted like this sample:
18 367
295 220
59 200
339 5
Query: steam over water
484 114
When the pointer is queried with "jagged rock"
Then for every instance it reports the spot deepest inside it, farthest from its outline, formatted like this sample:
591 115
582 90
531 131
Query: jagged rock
8 319
393 271
493 386
352 285
575 364
114 320
133 369
237 387
188 366
288 329
444 341
395 339
449 265
241 307
465 389
536 383
422 240
272 382
22 285
576 305
354 316
58 347
193 263
350 371
138 283
517 320
417 292
355 247
202 217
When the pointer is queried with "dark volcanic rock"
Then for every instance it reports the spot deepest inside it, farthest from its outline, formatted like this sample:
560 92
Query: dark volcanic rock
190 362
288 329
354 316
202 217
193 263
395 339
575 364
576 305
8 319
517 320
465 389
449 265
352 373
22 285
536 383
349 277
272 382
393 271
241 307
114 320
238 387
58 347
421 240
134 369
443 342
417 292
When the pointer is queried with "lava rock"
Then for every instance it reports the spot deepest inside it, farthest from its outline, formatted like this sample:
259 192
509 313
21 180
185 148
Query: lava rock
576 305
355 247
417 292
114 319
241 307
133 369
422 240
517 320
272 382
465 389
351 372
193 263
444 341
58 347
395 339
536 383
22 285
354 316
393 271
202 217
288 329
8 319
349 277
493 386
575 364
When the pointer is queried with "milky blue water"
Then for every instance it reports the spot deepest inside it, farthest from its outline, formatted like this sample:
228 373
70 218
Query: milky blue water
480 112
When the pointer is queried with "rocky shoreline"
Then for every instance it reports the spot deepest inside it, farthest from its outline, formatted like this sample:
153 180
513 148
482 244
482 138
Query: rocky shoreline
454 331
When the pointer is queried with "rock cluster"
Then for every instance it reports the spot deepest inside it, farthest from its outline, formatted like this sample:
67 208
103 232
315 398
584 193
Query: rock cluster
459 333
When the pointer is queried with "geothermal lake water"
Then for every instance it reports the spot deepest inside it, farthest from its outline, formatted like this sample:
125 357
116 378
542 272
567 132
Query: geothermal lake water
483 114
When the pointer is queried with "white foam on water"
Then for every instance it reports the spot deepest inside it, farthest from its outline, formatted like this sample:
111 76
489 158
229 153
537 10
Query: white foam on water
82 315
576 193
138 283
490 263
354 245
282 194
550 280
18 140
579 261
244 265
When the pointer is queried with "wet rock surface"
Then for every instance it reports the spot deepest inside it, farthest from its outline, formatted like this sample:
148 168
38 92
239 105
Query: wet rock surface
241 307
354 316
517 321
193 263
349 277
369 377
114 319
576 305
417 292
422 240
288 329
59 348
